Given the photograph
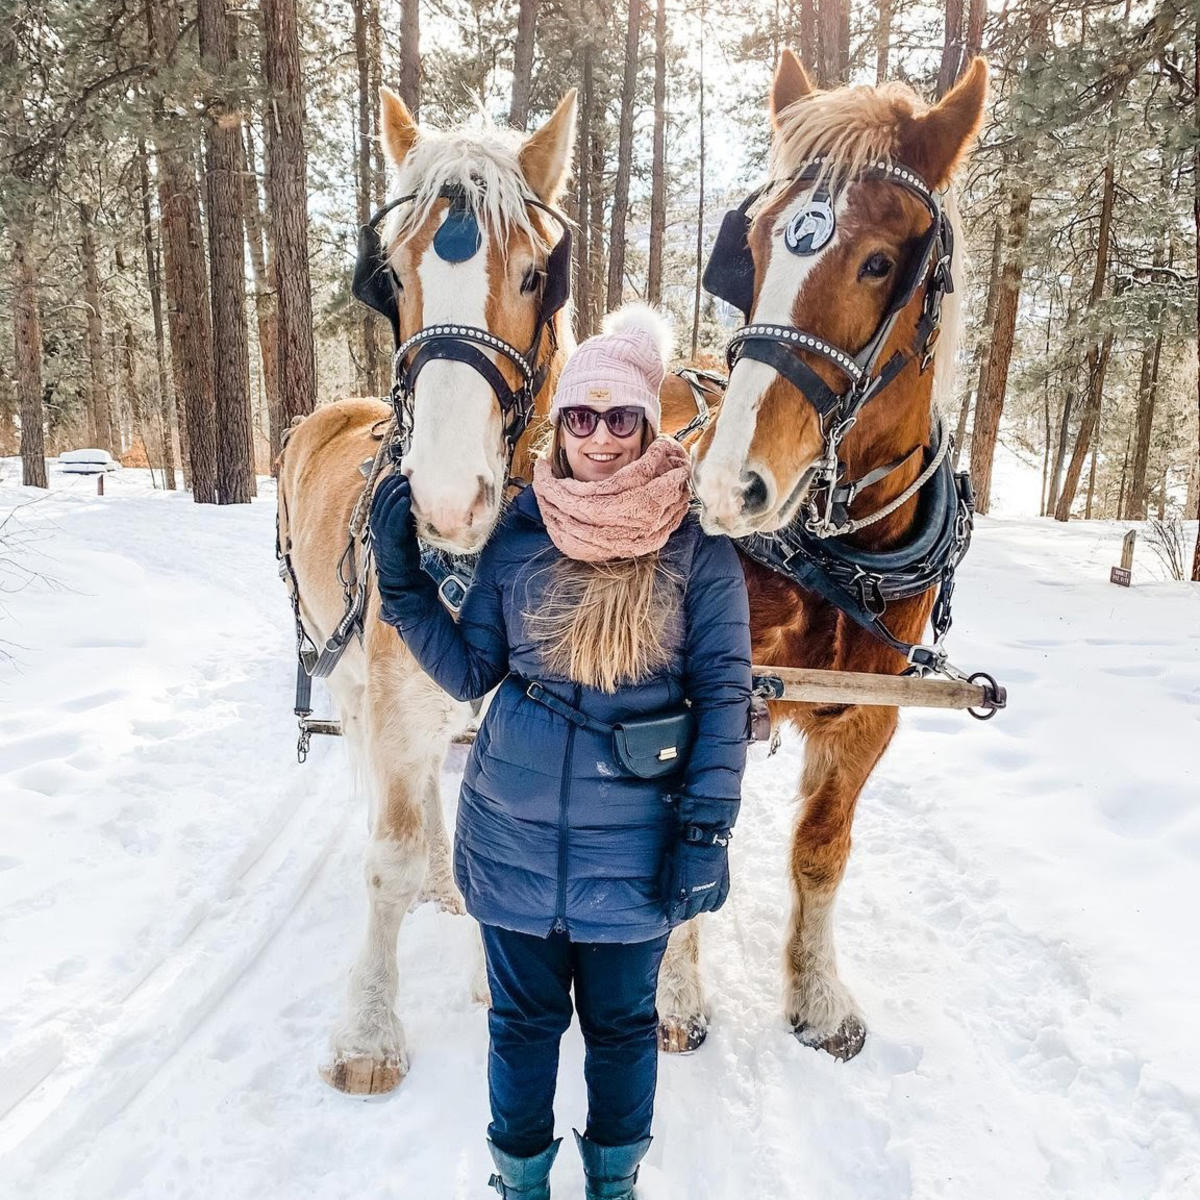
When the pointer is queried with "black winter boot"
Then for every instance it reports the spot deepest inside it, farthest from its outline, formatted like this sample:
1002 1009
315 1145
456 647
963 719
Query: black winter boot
611 1170
523 1178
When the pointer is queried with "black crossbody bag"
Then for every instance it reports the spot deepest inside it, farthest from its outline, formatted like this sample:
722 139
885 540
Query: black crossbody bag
649 747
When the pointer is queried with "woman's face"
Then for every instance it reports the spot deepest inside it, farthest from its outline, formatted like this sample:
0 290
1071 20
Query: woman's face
600 454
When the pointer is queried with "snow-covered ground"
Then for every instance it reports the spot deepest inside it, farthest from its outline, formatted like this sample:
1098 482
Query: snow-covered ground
179 901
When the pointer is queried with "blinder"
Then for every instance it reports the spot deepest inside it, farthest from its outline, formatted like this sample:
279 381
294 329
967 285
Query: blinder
729 272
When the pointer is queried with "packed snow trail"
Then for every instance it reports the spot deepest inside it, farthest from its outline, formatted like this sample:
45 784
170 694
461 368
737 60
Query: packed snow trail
179 903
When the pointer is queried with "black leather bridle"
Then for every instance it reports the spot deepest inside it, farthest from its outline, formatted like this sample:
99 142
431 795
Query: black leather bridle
729 275
375 285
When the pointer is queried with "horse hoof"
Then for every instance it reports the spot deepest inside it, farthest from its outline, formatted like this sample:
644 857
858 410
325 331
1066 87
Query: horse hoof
364 1076
444 901
844 1044
681 1037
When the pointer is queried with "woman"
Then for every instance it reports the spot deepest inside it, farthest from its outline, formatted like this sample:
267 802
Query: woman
597 600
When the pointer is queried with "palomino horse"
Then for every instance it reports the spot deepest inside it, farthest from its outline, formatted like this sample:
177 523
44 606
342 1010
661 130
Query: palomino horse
467 248
840 240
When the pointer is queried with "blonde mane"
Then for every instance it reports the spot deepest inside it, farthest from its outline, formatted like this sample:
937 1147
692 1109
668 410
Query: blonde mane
850 128
481 159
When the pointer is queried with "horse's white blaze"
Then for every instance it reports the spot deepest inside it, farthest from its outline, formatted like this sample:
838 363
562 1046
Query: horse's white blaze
719 480
456 420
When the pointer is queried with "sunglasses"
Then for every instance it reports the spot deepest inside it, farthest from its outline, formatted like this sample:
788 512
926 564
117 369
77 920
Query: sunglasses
622 422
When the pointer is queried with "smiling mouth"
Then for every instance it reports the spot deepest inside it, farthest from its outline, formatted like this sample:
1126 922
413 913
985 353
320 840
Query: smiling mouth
601 458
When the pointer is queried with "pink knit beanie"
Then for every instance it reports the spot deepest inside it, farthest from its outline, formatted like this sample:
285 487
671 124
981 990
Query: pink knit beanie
624 365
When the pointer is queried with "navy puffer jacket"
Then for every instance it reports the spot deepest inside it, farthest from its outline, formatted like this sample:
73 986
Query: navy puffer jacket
552 832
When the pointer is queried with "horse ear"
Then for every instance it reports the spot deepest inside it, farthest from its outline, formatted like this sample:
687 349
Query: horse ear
545 156
791 84
399 130
936 142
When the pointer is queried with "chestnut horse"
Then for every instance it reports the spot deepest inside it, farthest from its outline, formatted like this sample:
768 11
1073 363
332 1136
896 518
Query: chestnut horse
755 466
487 272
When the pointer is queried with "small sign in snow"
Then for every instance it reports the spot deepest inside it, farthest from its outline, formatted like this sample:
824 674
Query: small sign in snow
1123 574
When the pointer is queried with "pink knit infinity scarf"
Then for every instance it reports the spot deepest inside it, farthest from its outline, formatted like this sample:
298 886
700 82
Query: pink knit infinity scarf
629 514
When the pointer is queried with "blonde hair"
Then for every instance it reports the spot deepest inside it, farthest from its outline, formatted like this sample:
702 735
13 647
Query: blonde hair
605 624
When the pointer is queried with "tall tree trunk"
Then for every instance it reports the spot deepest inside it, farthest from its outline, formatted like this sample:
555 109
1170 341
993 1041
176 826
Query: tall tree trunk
658 178
1136 494
410 55
99 390
370 359
163 405
378 165
188 313
809 37
990 402
226 258
266 309
981 348
1046 409
883 40
27 351
583 304
620 207
699 205
288 209
952 46
1196 228
833 42
137 409
1091 489
976 16
1060 451
1121 494
518 111
1097 357
9 409
596 223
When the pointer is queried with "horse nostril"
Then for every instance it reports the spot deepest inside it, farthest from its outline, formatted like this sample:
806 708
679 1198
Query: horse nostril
754 493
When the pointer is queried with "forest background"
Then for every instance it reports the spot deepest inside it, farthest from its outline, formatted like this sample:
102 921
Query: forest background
181 182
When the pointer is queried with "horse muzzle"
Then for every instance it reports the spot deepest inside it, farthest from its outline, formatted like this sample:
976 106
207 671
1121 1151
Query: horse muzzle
749 502
448 520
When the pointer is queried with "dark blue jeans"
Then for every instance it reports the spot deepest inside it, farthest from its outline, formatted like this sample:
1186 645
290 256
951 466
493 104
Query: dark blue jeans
531 980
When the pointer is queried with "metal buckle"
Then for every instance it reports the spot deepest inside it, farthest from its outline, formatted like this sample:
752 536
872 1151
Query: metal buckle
452 592
931 345
928 660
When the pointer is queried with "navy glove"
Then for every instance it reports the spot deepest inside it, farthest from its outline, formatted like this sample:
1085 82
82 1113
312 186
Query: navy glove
695 876
394 536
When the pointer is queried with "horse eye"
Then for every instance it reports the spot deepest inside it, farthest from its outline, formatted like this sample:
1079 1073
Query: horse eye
876 267
530 280
396 279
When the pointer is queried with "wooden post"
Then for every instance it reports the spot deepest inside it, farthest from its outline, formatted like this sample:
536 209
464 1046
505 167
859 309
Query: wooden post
100 484
1122 575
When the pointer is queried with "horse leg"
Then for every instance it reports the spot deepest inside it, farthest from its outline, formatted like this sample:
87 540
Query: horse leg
682 1011
438 887
404 736
369 1052
841 752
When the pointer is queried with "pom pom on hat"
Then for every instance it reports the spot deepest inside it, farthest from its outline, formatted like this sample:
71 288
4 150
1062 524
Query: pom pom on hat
624 365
